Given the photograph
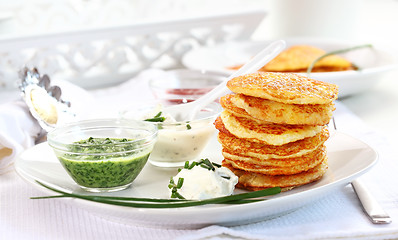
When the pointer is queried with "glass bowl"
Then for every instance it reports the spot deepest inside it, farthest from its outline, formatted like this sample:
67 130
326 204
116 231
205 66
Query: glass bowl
178 142
103 155
184 85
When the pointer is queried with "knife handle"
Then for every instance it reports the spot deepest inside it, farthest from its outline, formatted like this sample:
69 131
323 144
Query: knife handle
369 204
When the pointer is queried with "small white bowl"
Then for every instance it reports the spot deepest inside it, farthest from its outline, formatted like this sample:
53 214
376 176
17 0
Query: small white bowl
178 142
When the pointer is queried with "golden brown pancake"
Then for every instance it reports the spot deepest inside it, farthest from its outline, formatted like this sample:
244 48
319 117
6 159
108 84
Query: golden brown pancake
263 163
271 134
270 111
220 126
280 166
239 146
299 57
257 181
284 87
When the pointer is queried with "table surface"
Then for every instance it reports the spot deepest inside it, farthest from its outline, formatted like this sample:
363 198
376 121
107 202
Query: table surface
378 107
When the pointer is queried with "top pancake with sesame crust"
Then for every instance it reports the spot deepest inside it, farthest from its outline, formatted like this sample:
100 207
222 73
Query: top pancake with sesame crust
287 88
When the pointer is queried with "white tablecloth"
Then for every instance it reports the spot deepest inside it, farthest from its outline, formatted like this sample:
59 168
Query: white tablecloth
338 215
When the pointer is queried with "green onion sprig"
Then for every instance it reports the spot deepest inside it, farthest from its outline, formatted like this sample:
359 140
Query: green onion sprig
309 69
242 198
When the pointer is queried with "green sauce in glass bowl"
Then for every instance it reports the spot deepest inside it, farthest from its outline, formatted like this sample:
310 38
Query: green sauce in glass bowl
102 163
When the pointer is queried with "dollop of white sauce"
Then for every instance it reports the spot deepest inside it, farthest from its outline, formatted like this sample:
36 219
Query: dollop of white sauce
200 183
177 143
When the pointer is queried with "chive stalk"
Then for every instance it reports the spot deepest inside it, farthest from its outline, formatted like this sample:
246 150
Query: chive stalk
309 69
242 198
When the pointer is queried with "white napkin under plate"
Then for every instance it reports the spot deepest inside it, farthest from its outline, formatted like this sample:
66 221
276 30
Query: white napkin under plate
18 131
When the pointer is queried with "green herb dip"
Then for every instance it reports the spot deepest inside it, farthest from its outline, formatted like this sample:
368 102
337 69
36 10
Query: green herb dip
110 163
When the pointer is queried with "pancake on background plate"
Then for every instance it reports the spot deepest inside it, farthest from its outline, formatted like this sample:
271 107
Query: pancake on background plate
298 58
273 129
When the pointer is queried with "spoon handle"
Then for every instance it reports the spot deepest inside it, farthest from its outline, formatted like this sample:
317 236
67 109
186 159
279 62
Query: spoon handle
258 61
262 58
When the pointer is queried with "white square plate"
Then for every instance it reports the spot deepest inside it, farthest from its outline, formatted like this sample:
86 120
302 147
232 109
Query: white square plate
348 159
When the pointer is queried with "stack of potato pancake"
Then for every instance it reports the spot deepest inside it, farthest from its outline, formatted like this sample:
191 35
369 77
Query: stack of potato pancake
273 129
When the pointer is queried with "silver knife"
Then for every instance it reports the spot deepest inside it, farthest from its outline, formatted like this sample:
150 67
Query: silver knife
369 204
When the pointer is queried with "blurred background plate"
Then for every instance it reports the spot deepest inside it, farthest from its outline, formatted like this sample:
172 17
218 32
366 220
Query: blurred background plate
373 62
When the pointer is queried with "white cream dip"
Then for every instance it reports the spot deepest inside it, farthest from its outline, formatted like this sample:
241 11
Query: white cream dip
180 145
178 142
201 183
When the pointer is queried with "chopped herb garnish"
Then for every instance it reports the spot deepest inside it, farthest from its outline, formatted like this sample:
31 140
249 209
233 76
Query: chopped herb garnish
189 126
93 148
204 163
216 164
180 182
157 118
186 165
190 166
174 187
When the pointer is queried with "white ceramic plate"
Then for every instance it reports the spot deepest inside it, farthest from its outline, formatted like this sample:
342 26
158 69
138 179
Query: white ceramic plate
372 61
348 159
